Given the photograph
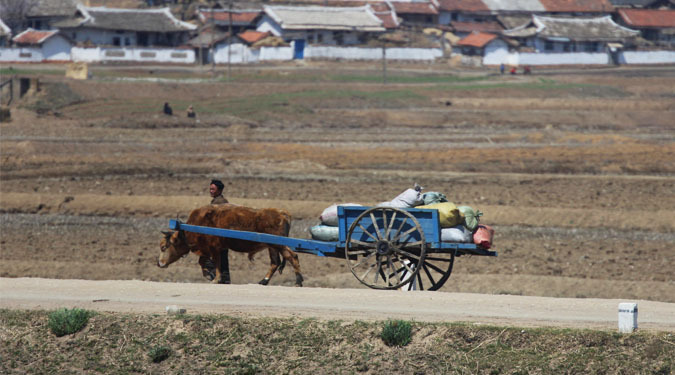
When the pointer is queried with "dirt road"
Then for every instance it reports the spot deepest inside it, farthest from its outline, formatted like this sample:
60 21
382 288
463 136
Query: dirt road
322 303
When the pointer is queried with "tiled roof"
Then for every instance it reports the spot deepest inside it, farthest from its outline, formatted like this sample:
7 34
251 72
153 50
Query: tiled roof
582 29
463 6
514 5
648 18
251 36
34 37
325 18
465 27
239 18
416 7
51 8
477 39
387 15
148 20
586 6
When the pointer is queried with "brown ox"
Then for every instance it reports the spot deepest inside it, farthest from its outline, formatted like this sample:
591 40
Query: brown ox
177 244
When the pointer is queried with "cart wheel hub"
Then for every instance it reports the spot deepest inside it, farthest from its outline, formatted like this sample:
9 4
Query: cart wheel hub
383 247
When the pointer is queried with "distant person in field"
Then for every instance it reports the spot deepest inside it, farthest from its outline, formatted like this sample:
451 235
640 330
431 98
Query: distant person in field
501 68
208 268
167 109
191 112
513 70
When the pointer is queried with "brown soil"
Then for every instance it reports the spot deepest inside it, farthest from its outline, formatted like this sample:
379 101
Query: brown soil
576 176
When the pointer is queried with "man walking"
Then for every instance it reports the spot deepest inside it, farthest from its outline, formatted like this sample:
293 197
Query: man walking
208 268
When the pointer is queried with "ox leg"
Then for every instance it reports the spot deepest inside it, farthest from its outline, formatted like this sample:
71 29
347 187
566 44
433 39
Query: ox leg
290 256
224 267
216 260
275 260
208 269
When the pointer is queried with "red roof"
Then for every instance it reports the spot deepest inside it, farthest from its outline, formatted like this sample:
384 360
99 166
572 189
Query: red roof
648 17
251 36
414 7
383 12
468 27
477 39
224 16
588 6
34 37
463 5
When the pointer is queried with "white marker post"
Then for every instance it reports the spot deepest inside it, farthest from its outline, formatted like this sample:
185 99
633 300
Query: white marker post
628 316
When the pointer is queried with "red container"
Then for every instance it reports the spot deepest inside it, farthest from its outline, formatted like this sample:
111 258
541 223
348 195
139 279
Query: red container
483 236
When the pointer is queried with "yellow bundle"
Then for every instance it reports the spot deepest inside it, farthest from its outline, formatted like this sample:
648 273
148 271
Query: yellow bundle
448 213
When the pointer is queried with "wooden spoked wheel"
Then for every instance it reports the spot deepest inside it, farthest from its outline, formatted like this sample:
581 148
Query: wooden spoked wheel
435 271
384 247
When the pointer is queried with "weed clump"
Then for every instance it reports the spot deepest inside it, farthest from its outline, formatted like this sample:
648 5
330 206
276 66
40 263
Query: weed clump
396 333
159 353
65 322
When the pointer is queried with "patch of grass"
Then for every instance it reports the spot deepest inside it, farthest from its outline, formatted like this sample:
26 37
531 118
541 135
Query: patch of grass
396 333
158 353
217 344
65 322
10 71
54 96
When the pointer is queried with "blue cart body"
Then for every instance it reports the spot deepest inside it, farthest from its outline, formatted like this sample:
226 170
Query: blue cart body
428 221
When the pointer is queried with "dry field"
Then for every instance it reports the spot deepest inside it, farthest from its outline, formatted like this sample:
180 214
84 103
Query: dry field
574 169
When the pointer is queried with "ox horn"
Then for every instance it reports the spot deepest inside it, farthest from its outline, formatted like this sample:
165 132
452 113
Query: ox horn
166 233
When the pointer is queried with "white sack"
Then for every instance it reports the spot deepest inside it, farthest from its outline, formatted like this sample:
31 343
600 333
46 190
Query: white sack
457 233
408 199
329 216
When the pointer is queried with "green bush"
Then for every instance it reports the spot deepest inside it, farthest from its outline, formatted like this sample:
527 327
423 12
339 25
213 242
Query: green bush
64 322
159 353
396 333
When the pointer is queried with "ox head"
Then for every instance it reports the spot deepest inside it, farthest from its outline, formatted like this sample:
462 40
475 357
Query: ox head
172 247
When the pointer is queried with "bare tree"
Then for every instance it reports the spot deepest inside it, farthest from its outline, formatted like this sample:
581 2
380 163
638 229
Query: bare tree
13 12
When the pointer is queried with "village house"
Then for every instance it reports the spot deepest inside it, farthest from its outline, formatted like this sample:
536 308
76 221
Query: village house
125 27
42 45
43 14
656 26
417 12
553 35
320 25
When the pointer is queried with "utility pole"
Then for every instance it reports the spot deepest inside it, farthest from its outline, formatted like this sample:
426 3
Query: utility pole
384 61
213 54
229 44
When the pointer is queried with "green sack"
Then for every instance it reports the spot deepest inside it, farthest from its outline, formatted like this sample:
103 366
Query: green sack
433 197
325 233
471 217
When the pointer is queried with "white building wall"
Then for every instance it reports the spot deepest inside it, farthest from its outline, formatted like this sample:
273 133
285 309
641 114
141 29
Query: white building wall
276 53
497 52
21 54
647 57
570 58
56 48
361 53
156 55
240 54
